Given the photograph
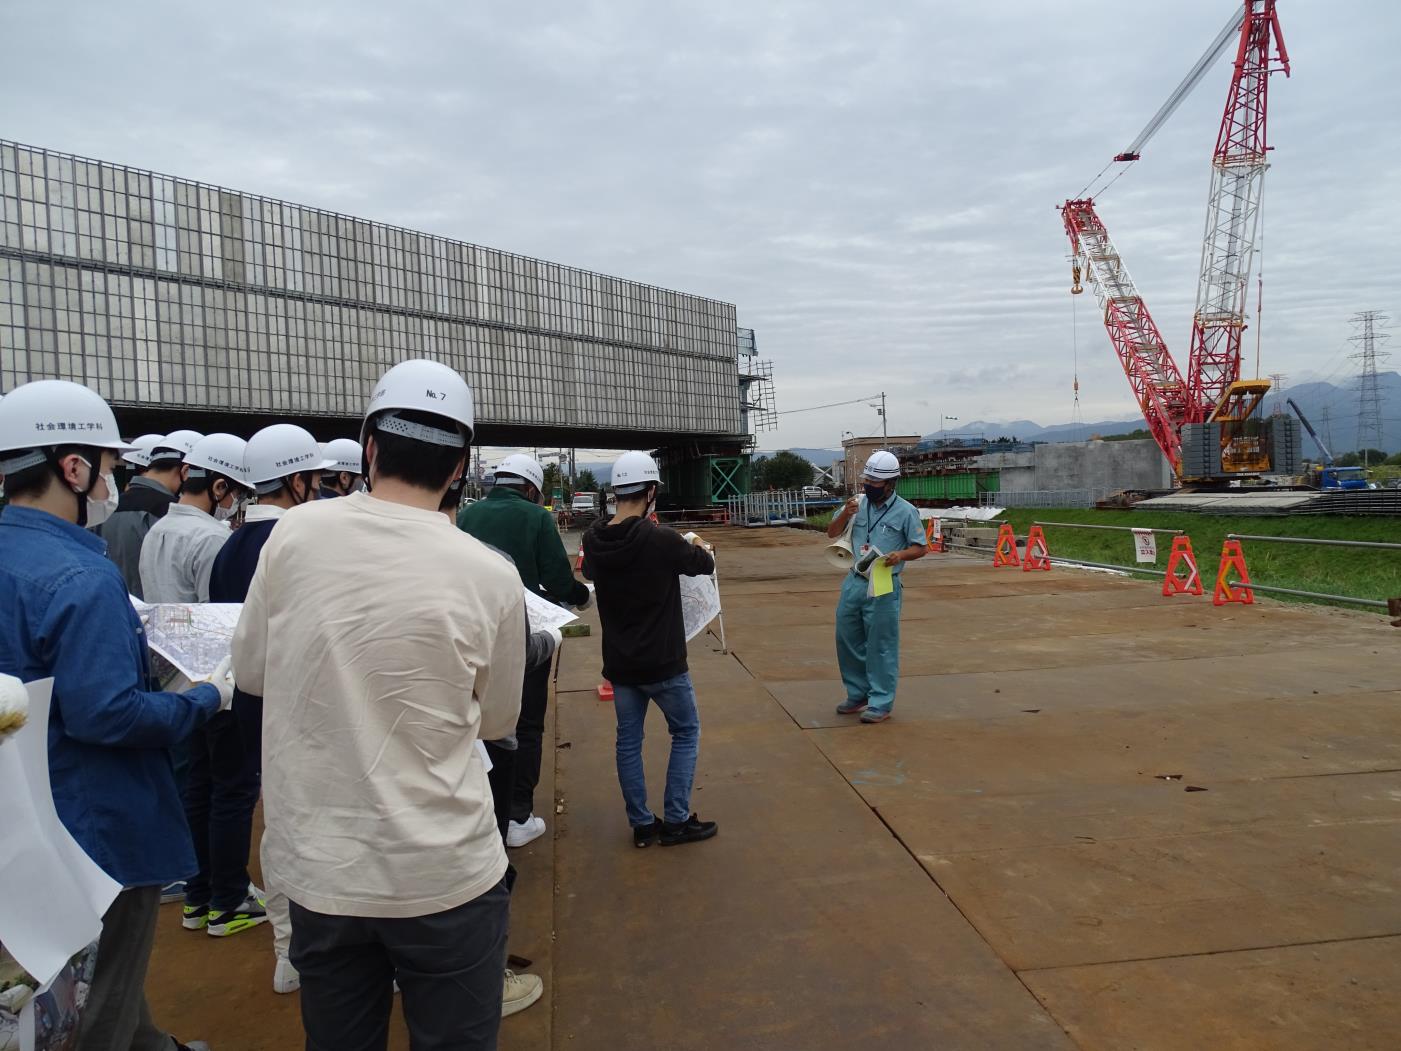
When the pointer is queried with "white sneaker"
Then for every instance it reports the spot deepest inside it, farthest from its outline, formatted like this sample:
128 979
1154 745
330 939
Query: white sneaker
285 978
518 834
519 992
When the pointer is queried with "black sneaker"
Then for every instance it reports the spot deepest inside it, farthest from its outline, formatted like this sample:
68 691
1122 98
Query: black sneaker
692 830
646 835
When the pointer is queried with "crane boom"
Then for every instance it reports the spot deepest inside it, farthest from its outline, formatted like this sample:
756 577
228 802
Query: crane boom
1155 378
1166 110
1327 456
1233 212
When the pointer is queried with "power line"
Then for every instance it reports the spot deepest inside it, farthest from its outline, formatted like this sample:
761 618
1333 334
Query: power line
832 405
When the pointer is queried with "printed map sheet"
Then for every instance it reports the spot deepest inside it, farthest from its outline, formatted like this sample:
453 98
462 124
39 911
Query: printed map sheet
700 604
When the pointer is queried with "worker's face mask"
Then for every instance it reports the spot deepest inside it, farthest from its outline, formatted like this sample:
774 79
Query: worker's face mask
876 493
101 497
224 514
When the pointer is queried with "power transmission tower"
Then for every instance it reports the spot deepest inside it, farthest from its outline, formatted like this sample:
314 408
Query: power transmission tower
1369 394
1278 379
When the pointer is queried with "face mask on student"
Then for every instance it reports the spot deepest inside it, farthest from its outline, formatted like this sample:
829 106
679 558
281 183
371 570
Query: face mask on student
98 511
101 510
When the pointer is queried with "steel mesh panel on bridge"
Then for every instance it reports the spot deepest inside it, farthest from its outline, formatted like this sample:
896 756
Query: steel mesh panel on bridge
164 292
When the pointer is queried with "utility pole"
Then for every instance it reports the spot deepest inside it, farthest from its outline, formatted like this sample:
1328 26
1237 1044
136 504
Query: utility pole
1369 395
884 430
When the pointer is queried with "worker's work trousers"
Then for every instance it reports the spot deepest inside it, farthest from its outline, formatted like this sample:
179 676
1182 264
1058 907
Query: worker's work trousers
450 967
116 1015
868 643
530 733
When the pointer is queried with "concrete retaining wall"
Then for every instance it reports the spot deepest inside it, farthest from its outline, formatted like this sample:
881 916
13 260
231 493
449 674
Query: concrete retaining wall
1137 464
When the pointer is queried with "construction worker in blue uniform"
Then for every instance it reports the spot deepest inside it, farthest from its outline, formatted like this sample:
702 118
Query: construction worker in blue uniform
868 628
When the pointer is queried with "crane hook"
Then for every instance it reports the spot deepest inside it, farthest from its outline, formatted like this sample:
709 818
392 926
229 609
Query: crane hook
1075 287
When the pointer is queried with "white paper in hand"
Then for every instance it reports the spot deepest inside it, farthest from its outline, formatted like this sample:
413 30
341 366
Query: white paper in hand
193 636
545 614
700 604
54 894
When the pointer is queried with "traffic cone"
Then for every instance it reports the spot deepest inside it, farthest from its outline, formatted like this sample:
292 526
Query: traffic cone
1037 555
1191 584
1006 553
605 690
1232 563
934 543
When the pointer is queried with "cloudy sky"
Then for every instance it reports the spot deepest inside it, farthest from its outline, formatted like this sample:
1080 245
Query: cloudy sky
873 185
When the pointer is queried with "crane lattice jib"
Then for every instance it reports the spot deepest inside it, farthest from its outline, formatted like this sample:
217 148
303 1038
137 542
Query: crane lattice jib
1155 378
1233 213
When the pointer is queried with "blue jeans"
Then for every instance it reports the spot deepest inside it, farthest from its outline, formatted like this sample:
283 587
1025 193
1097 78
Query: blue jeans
676 697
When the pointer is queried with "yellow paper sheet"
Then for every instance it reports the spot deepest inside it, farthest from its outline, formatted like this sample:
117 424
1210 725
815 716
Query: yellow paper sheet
882 580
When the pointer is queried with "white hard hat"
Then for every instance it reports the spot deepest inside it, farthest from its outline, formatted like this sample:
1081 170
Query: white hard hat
223 454
176 444
345 454
520 466
632 471
424 386
46 413
277 451
141 455
882 465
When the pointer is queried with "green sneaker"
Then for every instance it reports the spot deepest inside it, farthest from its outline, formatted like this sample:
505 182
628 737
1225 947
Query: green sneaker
194 917
230 921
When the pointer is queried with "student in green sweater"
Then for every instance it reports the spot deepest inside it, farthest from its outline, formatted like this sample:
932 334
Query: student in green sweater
513 518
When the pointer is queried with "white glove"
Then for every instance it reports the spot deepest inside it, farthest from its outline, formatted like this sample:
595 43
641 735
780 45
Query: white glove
223 681
694 539
555 634
14 705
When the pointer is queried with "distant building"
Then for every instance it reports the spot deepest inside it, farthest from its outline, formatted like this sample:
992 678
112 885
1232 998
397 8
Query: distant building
856 451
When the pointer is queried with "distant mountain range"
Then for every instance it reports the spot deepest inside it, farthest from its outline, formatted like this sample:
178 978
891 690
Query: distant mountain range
1332 409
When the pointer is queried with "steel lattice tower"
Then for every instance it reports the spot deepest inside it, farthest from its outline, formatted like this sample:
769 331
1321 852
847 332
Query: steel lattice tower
1369 396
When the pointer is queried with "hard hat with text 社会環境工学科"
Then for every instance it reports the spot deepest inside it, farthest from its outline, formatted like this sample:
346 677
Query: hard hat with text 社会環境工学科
48 413
632 471
140 456
221 454
346 453
175 445
518 465
281 450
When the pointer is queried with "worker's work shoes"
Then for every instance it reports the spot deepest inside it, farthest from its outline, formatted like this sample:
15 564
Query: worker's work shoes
851 707
692 830
875 715
646 835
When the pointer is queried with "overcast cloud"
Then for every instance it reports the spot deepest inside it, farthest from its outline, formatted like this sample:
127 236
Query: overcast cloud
872 185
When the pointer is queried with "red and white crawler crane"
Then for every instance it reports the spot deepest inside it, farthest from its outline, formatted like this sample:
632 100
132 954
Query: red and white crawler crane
1212 391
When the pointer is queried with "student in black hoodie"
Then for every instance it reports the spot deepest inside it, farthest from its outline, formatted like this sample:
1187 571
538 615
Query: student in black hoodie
635 564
